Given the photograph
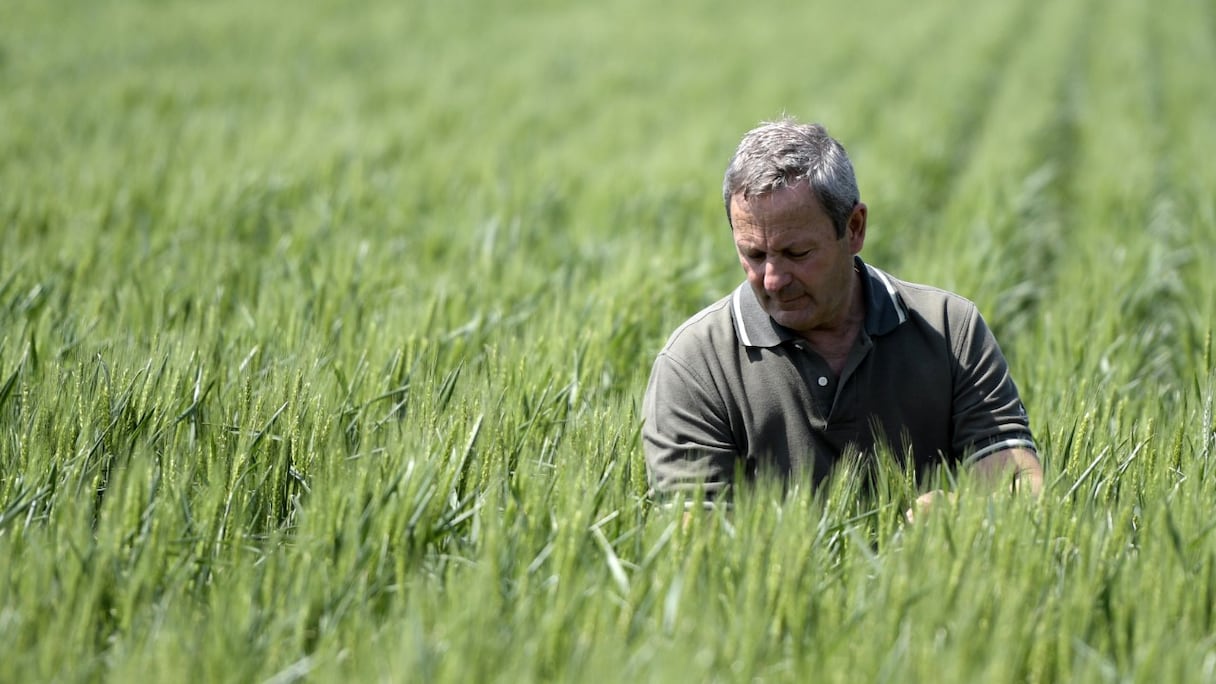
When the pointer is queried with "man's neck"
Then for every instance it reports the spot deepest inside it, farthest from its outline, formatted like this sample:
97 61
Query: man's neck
835 343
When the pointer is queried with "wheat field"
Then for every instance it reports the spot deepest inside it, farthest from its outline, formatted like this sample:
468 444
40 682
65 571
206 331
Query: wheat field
324 329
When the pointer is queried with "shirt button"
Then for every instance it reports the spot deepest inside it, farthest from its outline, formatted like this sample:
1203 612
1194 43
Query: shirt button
823 381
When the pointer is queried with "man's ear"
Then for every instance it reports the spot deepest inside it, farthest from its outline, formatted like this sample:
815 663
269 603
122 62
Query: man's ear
855 230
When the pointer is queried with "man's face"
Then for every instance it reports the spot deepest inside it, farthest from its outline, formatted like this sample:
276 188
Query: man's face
801 272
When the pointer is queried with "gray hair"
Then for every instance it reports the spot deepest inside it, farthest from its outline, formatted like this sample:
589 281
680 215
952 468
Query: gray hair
779 154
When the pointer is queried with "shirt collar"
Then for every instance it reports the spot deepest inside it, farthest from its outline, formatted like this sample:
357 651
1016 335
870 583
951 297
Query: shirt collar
885 310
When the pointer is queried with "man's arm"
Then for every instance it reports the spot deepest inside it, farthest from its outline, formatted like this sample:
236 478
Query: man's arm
1017 469
986 399
685 434
991 429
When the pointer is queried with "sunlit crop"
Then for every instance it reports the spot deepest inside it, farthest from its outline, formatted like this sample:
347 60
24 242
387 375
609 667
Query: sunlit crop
324 328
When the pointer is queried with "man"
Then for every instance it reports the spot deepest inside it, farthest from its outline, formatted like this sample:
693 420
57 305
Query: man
819 354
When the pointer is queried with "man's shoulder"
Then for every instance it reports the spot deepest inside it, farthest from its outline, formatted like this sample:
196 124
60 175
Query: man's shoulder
929 300
940 311
709 328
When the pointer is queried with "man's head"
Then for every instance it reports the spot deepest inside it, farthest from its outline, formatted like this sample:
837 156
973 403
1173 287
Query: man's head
797 253
782 153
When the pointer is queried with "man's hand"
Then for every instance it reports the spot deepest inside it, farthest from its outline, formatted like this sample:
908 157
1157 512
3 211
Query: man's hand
1017 469
926 501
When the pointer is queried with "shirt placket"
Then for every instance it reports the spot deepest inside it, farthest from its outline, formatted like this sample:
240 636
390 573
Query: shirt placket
859 352
818 380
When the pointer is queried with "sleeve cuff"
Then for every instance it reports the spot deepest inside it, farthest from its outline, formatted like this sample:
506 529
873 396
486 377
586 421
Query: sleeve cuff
1020 442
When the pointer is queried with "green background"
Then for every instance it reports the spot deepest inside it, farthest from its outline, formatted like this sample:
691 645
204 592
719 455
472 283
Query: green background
324 328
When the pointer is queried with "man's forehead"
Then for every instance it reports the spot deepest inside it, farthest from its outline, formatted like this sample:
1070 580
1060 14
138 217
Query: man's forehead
789 199
770 215
776 239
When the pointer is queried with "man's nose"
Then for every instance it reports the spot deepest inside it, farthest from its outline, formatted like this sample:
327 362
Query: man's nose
776 276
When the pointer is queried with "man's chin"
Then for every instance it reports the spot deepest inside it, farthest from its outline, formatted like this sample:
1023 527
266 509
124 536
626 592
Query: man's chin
794 320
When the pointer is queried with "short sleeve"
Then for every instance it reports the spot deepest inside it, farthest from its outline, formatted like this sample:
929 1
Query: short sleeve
686 435
988 414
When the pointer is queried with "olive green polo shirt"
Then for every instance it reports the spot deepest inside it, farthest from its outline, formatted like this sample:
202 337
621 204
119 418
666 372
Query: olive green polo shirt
733 390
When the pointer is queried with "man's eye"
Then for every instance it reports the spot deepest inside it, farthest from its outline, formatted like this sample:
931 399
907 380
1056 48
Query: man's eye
799 254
